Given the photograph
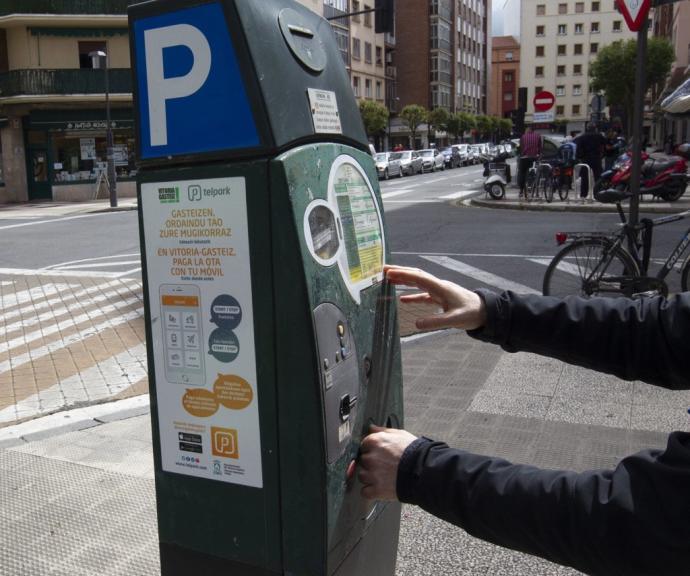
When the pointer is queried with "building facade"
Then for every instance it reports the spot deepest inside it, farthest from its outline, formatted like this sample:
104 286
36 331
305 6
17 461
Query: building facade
558 41
52 100
672 21
441 58
505 76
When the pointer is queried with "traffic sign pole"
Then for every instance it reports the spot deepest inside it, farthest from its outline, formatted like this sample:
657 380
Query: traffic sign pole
640 74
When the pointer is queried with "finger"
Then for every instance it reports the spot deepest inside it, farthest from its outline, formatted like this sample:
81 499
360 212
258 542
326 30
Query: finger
416 278
420 298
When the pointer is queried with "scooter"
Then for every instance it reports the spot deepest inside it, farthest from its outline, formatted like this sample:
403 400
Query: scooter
496 174
662 176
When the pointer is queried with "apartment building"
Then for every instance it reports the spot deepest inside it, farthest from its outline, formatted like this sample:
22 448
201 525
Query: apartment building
442 56
672 22
52 100
505 76
558 41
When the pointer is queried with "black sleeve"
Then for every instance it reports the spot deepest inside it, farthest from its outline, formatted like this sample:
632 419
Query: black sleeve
646 339
633 520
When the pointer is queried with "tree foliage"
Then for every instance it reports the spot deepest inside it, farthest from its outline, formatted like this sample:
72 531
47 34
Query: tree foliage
483 124
413 115
505 127
613 70
374 116
438 120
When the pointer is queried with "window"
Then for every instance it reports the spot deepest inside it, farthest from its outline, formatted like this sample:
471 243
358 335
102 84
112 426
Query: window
560 70
579 7
577 49
355 86
85 48
560 110
540 30
367 52
560 90
508 77
508 96
595 27
356 8
577 69
541 9
577 90
563 8
379 91
593 48
367 88
538 89
616 25
540 51
356 49
576 109
539 71
509 55
562 29
579 29
367 17
561 49
595 6
379 56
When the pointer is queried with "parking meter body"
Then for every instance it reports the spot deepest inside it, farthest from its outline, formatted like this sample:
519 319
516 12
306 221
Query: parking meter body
271 333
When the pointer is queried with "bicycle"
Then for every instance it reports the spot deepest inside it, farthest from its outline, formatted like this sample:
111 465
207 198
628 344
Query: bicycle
540 181
562 178
614 263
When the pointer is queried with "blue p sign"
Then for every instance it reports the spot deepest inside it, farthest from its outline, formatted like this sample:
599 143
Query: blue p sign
191 94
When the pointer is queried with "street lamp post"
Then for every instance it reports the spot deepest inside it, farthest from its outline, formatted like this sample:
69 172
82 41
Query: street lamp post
100 60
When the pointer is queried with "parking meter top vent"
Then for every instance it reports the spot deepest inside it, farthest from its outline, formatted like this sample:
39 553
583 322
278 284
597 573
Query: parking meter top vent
231 78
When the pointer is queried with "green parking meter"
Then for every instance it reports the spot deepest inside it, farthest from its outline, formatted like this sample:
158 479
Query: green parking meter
272 335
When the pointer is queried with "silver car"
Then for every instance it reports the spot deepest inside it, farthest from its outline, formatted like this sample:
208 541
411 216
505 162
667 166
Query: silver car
432 160
410 161
387 168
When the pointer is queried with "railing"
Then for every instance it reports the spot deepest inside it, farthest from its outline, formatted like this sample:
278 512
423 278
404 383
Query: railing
67 81
8 7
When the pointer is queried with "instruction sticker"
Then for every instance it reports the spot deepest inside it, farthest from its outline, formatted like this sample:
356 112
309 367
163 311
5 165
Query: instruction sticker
324 111
202 324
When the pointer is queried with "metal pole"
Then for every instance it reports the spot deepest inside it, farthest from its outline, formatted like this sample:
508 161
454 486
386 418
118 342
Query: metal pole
640 77
112 176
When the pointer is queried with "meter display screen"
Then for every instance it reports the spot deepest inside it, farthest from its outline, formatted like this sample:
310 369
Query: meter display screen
324 236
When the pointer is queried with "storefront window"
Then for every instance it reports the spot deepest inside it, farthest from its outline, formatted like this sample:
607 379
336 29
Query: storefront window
82 155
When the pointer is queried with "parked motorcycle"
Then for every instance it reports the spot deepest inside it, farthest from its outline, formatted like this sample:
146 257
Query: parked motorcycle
496 174
662 176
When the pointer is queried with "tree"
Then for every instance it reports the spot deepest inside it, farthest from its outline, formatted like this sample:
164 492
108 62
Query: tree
454 127
505 127
438 120
467 122
613 71
483 124
413 115
374 116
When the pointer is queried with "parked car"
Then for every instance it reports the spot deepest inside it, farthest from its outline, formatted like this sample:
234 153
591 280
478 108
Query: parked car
463 152
387 168
451 157
475 154
409 160
432 160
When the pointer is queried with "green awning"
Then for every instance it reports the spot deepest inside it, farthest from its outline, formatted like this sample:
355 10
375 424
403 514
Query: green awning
78 32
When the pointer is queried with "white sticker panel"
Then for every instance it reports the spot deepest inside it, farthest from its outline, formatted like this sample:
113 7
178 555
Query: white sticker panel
324 111
202 324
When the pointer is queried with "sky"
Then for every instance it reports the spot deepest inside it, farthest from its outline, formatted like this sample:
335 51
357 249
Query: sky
505 16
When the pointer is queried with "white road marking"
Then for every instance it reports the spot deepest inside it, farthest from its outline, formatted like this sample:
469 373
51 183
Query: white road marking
413 201
566 267
99 382
386 195
435 180
61 273
63 299
42 351
457 195
97 265
36 293
481 275
35 223
63 265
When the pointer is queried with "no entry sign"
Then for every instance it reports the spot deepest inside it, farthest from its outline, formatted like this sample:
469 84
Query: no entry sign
543 101
634 12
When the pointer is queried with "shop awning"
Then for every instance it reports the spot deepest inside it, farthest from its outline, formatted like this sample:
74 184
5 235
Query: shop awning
78 32
678 102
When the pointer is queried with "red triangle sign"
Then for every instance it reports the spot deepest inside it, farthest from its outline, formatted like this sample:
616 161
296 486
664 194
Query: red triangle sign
634 12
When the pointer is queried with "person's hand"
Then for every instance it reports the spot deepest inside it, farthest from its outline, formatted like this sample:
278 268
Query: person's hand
380 454
461 308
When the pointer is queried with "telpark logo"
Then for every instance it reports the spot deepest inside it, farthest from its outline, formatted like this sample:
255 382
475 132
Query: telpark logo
224 442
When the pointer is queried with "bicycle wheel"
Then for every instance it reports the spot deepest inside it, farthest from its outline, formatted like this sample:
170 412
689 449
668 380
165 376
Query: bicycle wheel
563 191
547 185
571 270
685 274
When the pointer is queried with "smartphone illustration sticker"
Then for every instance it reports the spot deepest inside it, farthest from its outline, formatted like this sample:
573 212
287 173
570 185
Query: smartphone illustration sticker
182 336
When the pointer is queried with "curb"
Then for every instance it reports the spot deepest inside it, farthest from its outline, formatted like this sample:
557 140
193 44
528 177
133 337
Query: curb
570 207
73 420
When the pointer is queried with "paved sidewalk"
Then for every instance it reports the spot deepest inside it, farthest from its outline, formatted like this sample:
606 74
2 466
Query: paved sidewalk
56 209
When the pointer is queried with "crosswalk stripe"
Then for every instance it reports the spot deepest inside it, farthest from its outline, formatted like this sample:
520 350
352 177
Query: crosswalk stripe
458 195
478 274
55 313
65 324
70 273
87 386
40 352
32 294
396 193
64 298
566 267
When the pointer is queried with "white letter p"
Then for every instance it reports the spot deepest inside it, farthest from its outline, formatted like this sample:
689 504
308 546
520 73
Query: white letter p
162 89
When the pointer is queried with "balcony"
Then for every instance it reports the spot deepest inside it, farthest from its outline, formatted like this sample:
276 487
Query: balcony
38 82
114 7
